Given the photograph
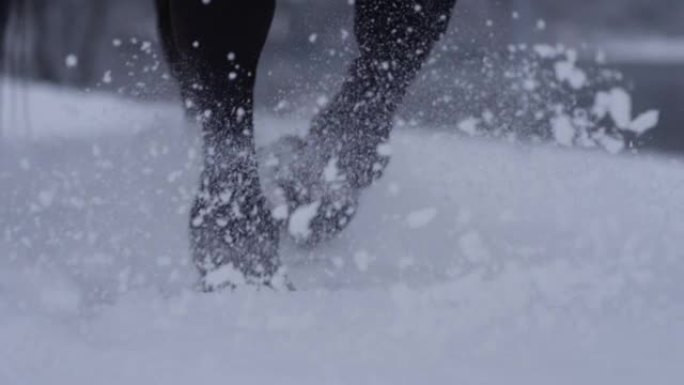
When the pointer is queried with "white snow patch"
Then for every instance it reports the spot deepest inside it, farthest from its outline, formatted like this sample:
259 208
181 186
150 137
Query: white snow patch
469 126
620 107
71 61
566 71
644 122
300 221
281 212
563 130
331 172
617 103
224 275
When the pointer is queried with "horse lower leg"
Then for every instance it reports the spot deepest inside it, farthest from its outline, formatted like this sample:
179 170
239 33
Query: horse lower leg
214 50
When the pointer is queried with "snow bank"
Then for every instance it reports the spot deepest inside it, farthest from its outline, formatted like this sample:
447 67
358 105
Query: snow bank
472 262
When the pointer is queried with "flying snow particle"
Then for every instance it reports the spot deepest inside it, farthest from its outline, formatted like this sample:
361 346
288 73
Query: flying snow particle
566 71
146 47
71 61
546 51
322 101
469 126
331 173
281 212
620 107
563 130
617 103
644 122
541 24
282 105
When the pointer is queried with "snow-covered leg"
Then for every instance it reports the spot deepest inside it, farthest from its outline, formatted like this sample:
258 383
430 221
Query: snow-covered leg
395 38
346 149
214 48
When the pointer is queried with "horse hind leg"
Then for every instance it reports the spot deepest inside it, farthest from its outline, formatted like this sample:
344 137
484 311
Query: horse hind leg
395 38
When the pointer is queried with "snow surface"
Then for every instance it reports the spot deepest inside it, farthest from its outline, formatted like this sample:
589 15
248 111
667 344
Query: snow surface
472 261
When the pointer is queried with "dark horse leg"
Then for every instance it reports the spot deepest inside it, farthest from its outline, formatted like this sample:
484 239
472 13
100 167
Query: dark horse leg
213 48
395 37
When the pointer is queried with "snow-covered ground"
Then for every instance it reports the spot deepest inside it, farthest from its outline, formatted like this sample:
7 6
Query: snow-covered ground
472 262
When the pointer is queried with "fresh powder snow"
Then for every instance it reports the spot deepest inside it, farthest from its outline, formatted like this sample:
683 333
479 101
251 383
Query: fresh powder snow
472 261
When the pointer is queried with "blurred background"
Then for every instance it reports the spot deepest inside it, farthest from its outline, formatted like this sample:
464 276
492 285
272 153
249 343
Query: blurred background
112 46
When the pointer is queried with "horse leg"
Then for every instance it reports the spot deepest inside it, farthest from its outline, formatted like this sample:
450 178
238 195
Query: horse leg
395 37
213 49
